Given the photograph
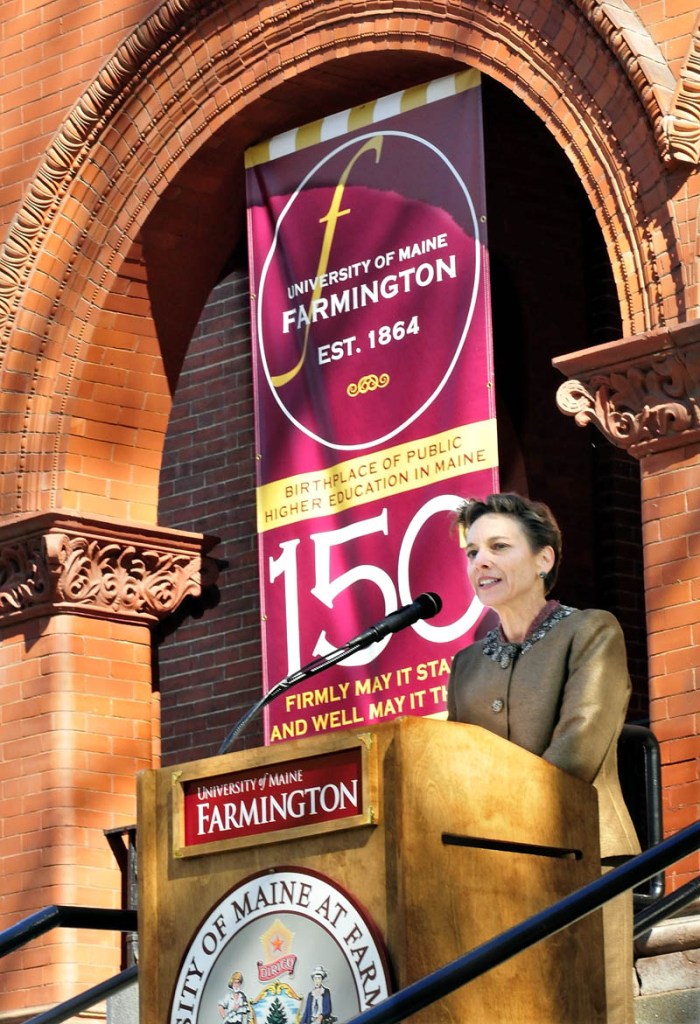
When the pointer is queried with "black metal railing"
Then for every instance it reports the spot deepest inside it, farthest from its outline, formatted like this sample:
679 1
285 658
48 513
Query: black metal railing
639 765
440 983
496 951
65 917
95 918
74 1006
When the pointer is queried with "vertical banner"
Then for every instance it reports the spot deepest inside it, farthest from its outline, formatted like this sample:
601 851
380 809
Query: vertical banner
375 409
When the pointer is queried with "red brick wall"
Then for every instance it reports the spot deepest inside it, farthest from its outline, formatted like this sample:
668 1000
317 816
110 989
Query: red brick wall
671 514
115 455
75 728
670 25
49 51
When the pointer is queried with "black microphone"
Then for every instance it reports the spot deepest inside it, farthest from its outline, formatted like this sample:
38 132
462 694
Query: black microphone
424 607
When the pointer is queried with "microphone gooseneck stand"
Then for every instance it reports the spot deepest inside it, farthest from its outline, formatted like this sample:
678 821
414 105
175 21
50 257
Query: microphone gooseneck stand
424 607
306 672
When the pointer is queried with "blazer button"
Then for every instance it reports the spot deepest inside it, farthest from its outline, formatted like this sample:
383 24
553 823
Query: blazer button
497 705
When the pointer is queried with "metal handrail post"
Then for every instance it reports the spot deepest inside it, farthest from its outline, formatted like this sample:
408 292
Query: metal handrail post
647 918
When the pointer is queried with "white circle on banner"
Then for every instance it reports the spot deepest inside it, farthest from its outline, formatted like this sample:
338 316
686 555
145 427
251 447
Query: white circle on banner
471 290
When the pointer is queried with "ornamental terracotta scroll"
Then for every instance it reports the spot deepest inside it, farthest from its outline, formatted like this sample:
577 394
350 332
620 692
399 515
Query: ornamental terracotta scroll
93 569
642 393
683 128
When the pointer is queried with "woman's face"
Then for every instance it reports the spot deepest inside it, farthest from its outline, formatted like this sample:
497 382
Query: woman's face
502 567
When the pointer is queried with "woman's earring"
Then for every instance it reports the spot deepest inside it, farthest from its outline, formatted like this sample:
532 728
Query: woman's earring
542 574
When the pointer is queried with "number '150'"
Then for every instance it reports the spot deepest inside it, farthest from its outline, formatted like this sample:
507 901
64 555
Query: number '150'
326 589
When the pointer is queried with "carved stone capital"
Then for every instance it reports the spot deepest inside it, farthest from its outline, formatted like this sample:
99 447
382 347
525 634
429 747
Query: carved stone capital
52 563
642 393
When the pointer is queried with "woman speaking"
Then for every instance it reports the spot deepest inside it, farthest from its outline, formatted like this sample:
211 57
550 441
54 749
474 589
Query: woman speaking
552 679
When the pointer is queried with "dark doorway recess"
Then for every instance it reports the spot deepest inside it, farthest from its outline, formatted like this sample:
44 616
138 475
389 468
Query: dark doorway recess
552 293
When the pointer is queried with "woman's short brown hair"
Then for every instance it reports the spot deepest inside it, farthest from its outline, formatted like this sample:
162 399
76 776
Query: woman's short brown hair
536 519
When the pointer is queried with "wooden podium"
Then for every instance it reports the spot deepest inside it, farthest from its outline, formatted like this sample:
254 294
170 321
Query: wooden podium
460 836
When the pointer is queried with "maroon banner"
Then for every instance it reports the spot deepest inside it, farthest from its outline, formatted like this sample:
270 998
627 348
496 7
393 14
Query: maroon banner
375 411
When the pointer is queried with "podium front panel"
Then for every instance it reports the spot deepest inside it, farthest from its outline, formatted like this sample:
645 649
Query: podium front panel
432 837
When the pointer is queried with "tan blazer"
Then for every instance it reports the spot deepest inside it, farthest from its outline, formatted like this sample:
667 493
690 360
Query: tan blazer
564 697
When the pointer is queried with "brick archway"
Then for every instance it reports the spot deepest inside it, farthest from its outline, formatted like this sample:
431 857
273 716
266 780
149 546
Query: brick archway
122 232
89 260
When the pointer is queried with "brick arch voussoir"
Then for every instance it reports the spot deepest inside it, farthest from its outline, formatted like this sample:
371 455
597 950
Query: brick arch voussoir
640 59
194 66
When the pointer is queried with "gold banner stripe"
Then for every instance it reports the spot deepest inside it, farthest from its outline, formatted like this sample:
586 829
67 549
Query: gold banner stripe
308 135
397 470
336 125
361 117
414 98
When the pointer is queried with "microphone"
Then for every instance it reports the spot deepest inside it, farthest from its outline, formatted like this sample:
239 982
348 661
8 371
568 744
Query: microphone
424 607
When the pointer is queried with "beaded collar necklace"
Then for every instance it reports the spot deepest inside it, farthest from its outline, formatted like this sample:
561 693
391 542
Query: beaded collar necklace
496 647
